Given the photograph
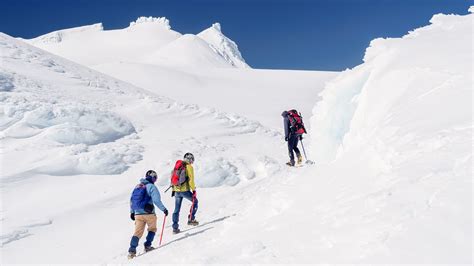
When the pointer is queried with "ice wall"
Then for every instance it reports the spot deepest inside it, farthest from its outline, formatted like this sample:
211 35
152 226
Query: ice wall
425 76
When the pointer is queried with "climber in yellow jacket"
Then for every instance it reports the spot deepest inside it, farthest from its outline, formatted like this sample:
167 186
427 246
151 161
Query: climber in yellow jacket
185 189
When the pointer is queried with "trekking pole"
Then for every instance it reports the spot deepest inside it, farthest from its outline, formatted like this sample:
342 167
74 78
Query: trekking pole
301 140
307 161
162 229
168 188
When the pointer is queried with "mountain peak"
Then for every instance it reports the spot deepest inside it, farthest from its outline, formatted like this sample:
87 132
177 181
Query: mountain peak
223 45
217 26
152 20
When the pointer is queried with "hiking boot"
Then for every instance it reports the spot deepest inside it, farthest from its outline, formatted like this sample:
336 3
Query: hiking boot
300 159
290 163
149 248
193 222
131 255
176 231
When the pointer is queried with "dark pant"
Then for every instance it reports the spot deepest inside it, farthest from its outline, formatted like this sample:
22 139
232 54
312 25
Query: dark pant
293 146
134 242
178 196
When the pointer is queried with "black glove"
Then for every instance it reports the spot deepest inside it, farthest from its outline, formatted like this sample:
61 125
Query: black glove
172 193
286 138
132 216
301 137
165 212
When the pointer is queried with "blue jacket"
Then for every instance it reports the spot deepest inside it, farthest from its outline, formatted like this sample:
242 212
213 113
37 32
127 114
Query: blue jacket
154 193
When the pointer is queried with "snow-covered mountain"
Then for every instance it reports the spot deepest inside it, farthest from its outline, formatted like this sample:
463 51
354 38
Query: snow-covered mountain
392 140
147 40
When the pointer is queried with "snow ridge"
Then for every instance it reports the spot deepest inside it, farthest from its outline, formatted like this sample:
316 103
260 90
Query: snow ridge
223 45
148 40
60 35
395 137
344 95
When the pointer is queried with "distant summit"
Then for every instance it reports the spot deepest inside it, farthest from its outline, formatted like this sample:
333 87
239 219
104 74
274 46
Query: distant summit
147 40
224 46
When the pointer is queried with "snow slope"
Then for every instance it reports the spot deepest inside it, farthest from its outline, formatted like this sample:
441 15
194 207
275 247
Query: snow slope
76 141
196 69
396 132
257 93
147 40
187 50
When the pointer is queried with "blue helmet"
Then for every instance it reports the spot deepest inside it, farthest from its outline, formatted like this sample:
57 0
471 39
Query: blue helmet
151 176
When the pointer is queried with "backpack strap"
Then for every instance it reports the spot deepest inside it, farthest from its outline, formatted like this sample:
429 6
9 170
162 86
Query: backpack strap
186 173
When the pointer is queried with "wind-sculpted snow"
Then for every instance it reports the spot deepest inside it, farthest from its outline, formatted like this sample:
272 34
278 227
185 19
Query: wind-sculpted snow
217 172
152 20
65 133
398 133
107 158
71 124
81 139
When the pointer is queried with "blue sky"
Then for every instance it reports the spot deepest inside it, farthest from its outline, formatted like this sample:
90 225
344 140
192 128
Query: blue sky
277 34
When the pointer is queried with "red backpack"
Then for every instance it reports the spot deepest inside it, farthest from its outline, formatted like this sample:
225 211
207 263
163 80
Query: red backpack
178 176
296 122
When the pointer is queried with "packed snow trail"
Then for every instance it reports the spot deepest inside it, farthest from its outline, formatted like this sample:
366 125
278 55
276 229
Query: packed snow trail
219 238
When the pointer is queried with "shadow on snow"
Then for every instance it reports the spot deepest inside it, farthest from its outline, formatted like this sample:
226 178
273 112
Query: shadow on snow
187 235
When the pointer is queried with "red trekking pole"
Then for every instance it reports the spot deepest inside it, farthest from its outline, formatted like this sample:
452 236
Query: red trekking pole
162 229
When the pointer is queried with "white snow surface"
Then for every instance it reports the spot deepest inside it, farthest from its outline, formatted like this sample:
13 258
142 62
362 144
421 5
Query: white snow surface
392 141
76 141
396 136
147 40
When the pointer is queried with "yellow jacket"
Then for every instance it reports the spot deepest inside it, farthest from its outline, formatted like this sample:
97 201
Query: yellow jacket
189 185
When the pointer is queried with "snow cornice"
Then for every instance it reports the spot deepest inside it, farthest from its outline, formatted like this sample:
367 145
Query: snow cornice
162 21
